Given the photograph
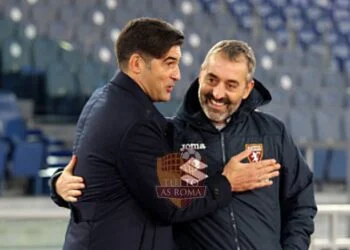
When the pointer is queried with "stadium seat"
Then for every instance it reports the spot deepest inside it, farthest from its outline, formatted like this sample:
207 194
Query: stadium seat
7 28
334 79
59 30
60 82
305 99
71 15
90 78
311 79
28 159
306 36
346 116
8 103
87 36
301 125
328 125
72 58
14 127
45 53
4 152
330 98
277 111
292 58
316 56
286 78
15 55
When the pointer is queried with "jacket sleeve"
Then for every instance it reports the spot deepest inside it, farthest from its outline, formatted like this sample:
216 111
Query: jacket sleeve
297 197
53 194
143 144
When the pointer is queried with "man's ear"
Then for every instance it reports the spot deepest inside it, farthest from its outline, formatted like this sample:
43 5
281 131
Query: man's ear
135 63
248 89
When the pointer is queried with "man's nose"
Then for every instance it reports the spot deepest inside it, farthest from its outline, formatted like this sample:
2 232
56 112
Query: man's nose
176 75
219 91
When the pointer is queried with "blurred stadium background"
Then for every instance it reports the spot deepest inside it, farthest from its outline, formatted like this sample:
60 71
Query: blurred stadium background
54 53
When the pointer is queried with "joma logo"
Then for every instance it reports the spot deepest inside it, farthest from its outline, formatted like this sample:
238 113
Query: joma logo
195 146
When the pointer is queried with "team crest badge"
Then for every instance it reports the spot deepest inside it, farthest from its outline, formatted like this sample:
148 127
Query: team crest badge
257 152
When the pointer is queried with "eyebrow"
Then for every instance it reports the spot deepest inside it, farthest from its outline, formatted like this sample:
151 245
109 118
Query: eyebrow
170 58
212 75
216 77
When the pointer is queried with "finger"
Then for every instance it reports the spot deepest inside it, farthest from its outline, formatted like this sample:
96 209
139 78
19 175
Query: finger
71 199
269 169
270 175
242 155
265 163
76 186
264 183
73 161
74 193
73 179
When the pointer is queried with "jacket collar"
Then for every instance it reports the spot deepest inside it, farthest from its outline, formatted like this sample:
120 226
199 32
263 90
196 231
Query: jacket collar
191 111
123 81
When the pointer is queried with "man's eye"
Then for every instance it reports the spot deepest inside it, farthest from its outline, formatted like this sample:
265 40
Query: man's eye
232 86
211 80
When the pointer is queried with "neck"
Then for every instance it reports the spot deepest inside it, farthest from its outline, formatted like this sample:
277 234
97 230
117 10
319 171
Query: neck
137 80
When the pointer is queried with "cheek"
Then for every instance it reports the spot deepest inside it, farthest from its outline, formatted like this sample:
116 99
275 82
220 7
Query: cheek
204 90
233 99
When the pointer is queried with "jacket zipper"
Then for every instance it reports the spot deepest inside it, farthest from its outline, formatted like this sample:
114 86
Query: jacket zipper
232 215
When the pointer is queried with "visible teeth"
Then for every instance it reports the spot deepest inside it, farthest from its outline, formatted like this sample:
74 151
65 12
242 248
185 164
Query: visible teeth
217 103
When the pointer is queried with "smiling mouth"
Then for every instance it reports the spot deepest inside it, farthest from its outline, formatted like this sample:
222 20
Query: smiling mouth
215 104
170 89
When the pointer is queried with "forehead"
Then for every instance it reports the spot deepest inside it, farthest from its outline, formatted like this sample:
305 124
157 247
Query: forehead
226 69
173 52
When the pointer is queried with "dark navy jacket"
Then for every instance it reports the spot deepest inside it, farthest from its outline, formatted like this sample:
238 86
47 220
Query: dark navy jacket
270 218
120 135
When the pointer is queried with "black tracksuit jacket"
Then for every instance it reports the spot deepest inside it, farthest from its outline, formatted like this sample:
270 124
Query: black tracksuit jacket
120 135
270 218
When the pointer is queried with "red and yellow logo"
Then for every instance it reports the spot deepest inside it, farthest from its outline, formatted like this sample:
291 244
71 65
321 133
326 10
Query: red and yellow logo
257 152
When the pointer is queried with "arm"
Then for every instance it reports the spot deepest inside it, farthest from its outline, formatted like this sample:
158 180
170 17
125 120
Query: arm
143 144
297 198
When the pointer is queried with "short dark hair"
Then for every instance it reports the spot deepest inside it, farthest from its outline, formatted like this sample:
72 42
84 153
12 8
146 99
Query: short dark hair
150 37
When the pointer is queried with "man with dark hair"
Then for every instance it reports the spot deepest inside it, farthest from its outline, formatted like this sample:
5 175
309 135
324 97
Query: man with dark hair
120 135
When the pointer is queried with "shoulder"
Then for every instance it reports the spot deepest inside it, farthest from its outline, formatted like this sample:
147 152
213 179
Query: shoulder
267 122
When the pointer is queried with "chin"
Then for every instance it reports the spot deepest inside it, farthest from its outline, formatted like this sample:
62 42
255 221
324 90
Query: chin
164 98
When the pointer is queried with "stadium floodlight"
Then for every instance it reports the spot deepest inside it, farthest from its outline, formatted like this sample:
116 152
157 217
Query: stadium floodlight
114 34
15 50
194 40
66 46
111 4
30 31
15 14
98 17
32 2
179 24
286 82
187 7
105 55
187 58
266 62
270 45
